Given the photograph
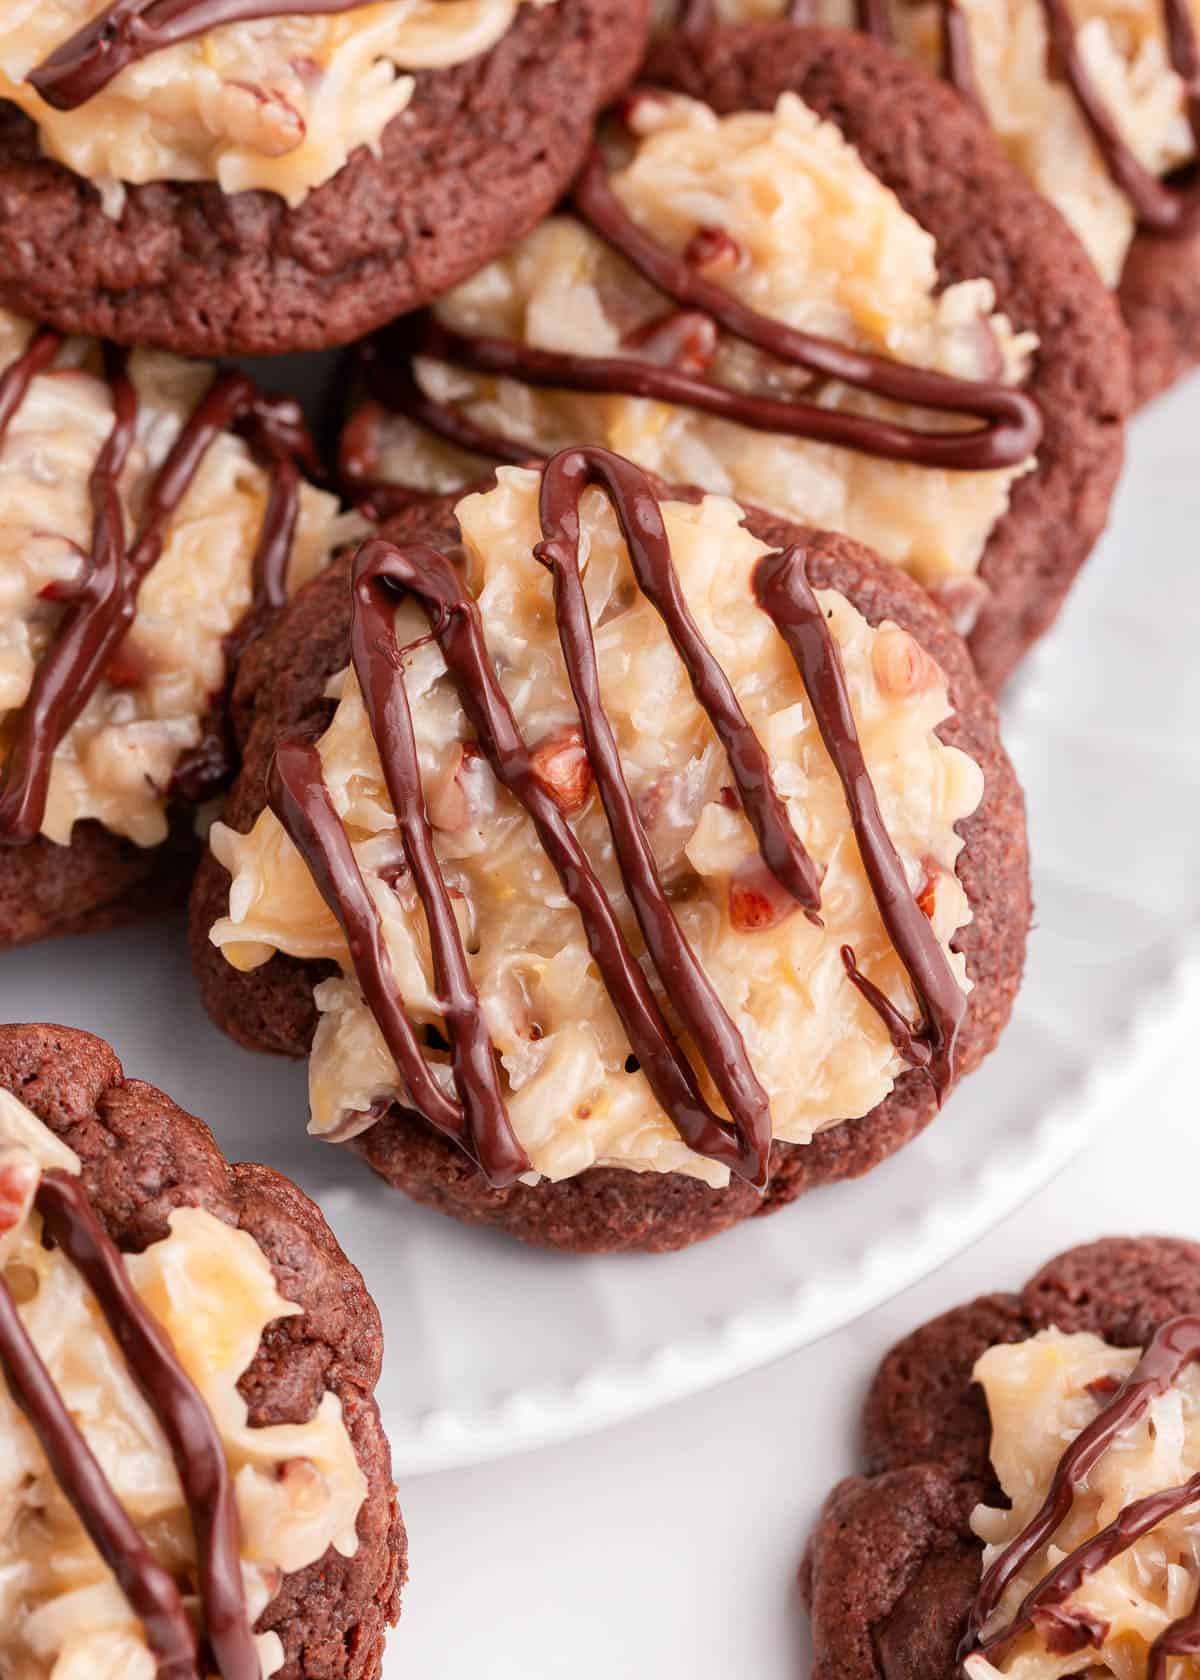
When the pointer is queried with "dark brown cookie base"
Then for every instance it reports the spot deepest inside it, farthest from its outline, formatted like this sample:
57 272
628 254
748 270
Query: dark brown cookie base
479 157
282 686
98 881
893 1568
142 1158
920 138
1160 300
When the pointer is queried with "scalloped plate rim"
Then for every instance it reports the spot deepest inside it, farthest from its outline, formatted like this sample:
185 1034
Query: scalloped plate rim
614 1391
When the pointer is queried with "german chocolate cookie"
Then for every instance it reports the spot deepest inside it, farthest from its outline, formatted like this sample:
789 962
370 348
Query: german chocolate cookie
1025 1496
766 289
178 176
195 1359
152 516
716 839
1097 107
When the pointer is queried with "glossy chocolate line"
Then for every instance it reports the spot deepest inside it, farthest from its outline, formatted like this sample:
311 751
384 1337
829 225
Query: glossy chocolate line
129 30
148 1588
18 376
684 979
180 1409
640 515
1169 209
956 52
399 390
1068 1575
431 580
1174 1347
277 435
1159 206
783 591
489 1140
1012 426
297 794
1009 434
872 16
94 621
100 608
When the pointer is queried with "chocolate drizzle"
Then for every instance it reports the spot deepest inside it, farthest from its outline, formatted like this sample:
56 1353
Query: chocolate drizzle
1174 1347
1010 428
784 592
1170 207
190 1431
383 575
100 607
129 30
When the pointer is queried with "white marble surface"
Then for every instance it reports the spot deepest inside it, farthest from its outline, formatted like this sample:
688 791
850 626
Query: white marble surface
667 1547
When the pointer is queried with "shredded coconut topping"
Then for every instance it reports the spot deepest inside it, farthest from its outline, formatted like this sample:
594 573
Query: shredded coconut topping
1041 1393
278 103
1033 112
811 238
574 1098
299 1486
115 763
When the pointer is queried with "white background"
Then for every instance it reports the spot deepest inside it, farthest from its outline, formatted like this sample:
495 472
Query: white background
668 1547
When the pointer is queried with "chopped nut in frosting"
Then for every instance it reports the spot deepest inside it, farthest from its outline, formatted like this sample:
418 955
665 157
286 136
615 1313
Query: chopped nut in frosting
1041 1393
778 207
116 761
573 1097
278 103
299 1487
1034 113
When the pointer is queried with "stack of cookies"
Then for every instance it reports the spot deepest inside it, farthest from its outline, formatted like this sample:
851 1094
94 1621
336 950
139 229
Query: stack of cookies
568 707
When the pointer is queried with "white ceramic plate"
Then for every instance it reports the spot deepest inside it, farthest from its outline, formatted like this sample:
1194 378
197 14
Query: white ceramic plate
492 1348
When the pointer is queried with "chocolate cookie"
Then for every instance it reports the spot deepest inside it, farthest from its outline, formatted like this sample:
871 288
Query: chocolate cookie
1160 285
592 1070
1117 154
673 281
895 1572
288 1532
373 182
154 516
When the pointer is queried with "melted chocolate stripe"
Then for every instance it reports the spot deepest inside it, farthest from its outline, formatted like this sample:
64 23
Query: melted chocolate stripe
179 1407
650 556
1164 207
1012 426
398 389
19 375
490 1139
431 579
1068 1575
1174 1347
99 610
1009 433
956 53
684 979
297 794
149 1589
101 607
129 30
1159 206
784 592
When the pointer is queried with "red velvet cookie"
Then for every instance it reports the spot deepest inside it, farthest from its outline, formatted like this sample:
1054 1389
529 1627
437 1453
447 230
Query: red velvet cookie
254 1529
652 912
